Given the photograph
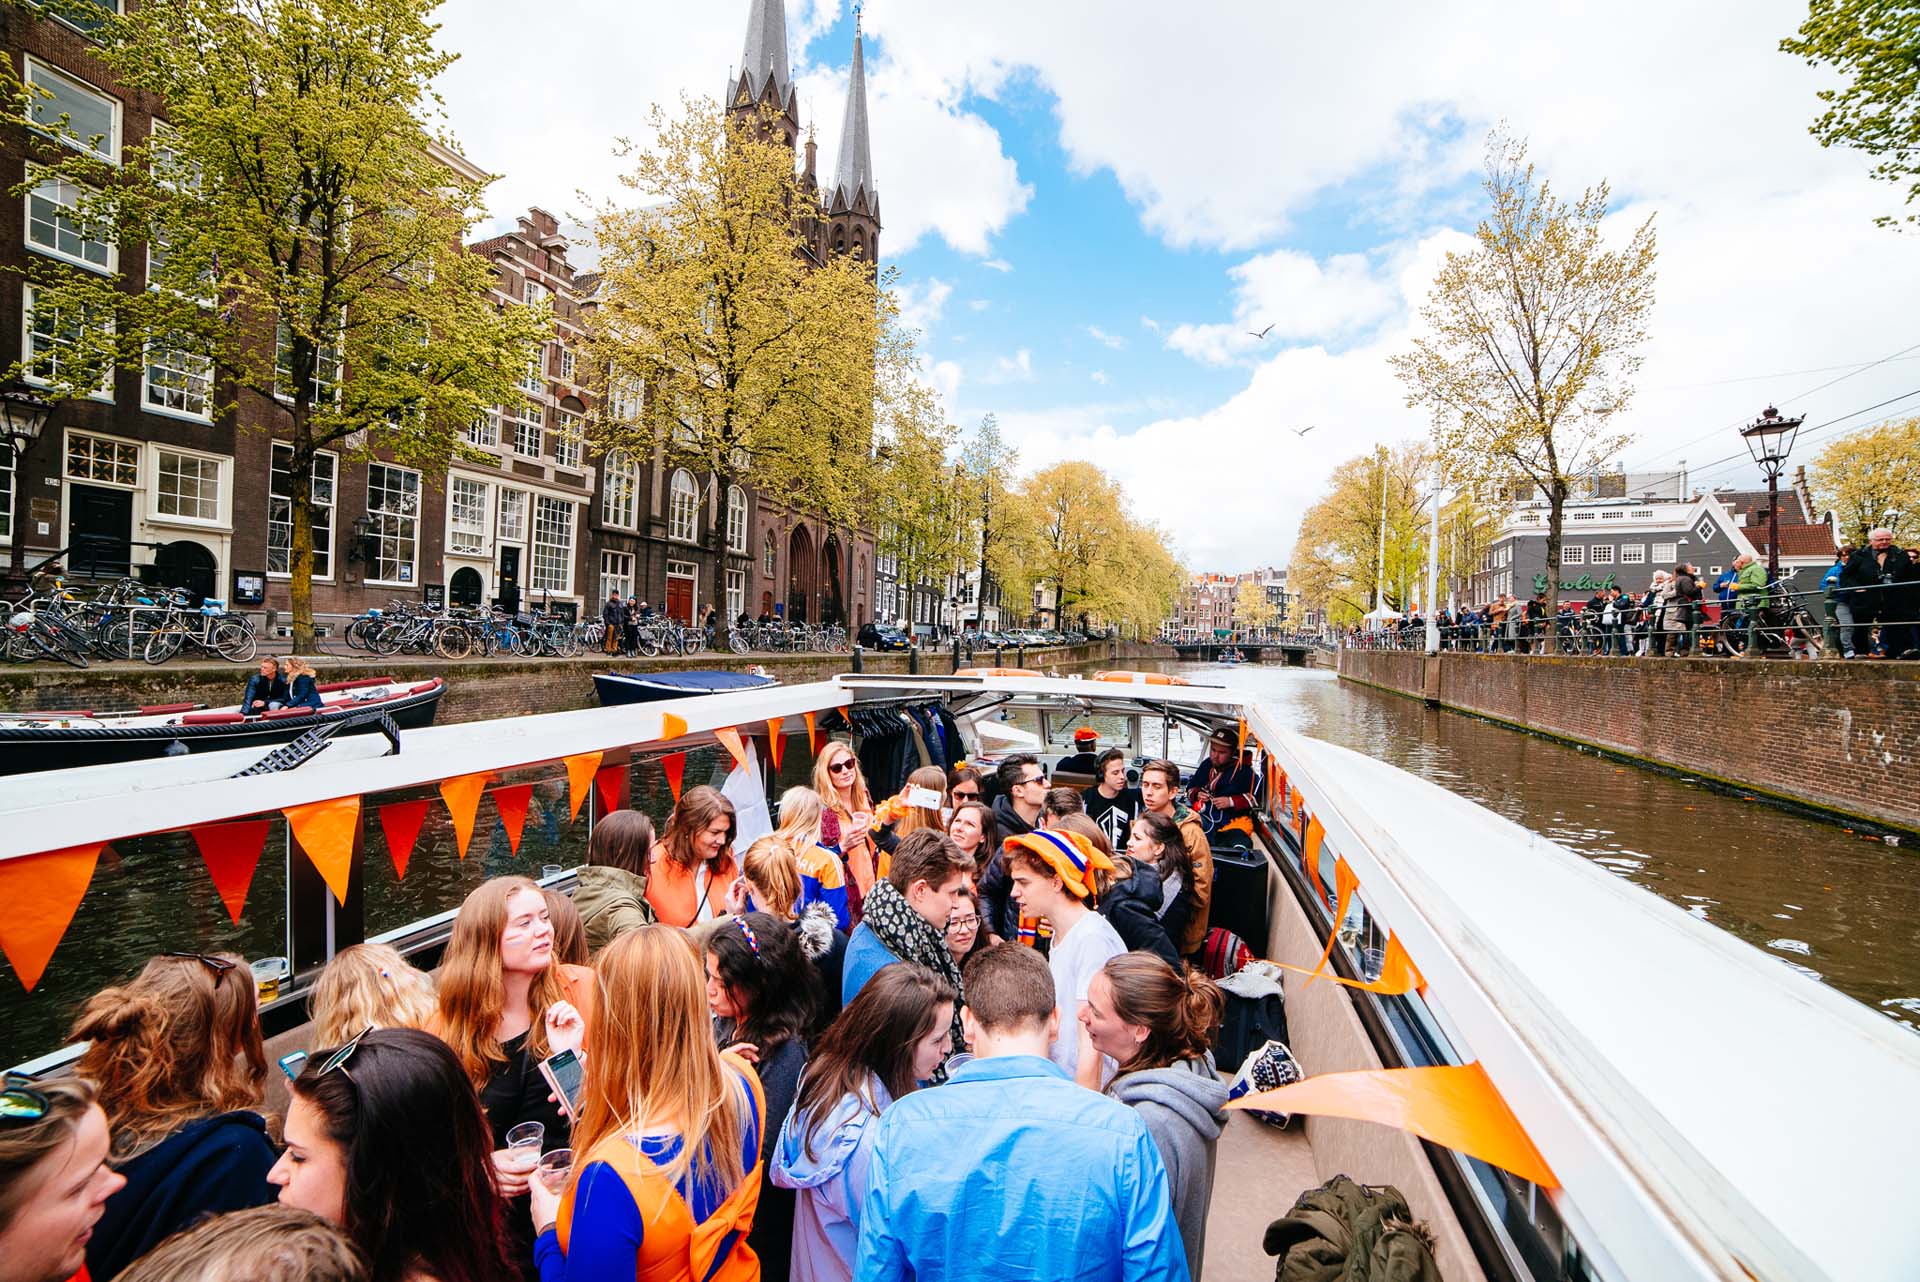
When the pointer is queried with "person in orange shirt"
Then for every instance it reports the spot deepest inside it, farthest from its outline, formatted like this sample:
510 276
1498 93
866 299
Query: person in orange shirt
692 864
54 1178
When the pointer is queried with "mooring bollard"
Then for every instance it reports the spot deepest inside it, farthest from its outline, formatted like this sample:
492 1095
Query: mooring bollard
913 660
858 662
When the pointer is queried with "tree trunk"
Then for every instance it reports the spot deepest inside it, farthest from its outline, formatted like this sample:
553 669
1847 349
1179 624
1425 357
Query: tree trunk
723 620
300 556
1556 509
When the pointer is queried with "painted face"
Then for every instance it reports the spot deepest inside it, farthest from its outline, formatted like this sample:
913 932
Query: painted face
1112 1036
931 1049
712 839
719 996
312 1173
67 1190
965 830
1155 791
1115 774
526 945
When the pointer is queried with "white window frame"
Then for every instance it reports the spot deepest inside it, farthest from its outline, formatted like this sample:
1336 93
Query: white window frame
736 595
64 15
62 194
525 429
1666 553
1633 554
1601 554
191 370
620 490
323 541
683 507
326 360
1573 554
533 381
477 544
6 494
222 480
1706 528
122 449
736 520
516 500
539 579
616 572
406 527
532 292
485 430
567 363
30 351
569 439
625 398
109 151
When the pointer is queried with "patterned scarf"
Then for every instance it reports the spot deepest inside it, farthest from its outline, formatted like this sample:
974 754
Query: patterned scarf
913 938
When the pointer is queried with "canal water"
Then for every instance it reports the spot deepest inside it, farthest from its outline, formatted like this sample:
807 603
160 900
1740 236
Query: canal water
1837 905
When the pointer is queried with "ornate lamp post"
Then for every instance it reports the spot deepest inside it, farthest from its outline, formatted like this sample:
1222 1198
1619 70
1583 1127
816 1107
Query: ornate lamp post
1770 440
23 416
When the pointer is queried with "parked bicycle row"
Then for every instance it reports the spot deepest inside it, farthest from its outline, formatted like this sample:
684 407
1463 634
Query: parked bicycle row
124 620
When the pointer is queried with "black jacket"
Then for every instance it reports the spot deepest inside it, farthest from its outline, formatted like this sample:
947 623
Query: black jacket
1132 907
273 689
1879 591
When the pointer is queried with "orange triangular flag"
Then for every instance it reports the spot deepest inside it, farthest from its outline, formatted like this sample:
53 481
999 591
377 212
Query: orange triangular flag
1243 734
580 768
1310 856
672 727
775 742
675 764
606 781
42 892
401 823
325 830
462 795
730 740
1455 1105
512 805
813 737
231 852
1344 884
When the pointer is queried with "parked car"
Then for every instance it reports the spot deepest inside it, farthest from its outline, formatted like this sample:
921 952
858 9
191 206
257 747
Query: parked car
882 637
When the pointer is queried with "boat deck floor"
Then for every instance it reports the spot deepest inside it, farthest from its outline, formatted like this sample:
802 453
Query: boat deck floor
1258 1173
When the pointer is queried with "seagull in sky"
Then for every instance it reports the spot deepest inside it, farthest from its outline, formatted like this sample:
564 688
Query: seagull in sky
1302 431
1262 334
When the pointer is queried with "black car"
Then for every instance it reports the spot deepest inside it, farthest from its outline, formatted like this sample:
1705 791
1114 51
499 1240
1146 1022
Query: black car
881 637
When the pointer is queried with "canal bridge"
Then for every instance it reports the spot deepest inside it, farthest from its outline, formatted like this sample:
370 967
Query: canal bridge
1291 653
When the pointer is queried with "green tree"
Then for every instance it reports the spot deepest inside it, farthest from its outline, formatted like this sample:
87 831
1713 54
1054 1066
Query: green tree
1871 477
1875 46
917 507
1337 565
987 464
1532 339
303 222
1252 611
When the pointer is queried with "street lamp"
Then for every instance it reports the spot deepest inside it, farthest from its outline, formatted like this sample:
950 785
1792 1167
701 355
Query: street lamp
23 415
1770 439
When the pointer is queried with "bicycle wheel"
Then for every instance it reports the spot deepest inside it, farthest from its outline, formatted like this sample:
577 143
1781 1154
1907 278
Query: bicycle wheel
163 644
647 642
453 642
232 640
387 641
51 641
737 641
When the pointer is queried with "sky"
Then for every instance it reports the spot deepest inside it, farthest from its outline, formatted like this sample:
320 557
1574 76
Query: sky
1093 204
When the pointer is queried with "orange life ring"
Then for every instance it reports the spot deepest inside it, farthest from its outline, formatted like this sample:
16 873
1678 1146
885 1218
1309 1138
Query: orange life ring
1128 677
998 672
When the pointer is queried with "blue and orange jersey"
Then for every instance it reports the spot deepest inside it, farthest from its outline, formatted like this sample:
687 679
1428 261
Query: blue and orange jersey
823 880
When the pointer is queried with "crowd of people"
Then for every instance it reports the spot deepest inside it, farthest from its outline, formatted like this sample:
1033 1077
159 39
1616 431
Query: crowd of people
940 1036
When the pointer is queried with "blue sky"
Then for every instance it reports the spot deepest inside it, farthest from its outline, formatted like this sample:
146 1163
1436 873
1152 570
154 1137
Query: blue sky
1051 170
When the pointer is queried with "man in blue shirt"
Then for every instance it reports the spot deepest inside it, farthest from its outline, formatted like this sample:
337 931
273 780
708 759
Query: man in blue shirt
1010 1172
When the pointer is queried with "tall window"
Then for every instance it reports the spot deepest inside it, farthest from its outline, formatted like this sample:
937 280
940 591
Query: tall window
527 422
513 516
769 553
485 430
736 593
326 469
736 520
620 490
552 545
393 501
569 442
77 114
54 225
532 381
50 335
102 459
623 400
616 574
178 381
566 364
6 494
533 292
187 486
326 368
466 516
683 507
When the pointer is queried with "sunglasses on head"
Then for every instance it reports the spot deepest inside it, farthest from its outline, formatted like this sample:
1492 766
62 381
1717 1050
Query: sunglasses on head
218 965
20 1103
340 1057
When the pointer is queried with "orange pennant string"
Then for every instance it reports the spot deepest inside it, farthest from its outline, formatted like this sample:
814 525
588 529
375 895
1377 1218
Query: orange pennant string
1310 856
511 803
1454 1105
1398 974
813 736
607 781
231 852
730 740
462 795
325 830
400 822
1243 737
1345 883
776 742
42 893
672 727
580 768
675 764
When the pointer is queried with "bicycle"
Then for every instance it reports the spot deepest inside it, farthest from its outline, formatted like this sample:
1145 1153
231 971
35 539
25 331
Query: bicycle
211 630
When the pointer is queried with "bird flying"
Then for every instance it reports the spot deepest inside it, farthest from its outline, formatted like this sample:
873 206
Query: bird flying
1302 431
1262 334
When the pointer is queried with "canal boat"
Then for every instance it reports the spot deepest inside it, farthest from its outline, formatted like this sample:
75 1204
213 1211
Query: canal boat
61 740
1566 1077
618 688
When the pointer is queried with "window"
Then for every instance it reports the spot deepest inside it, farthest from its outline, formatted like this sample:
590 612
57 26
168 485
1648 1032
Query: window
683 508
186 486
50 333
159 246
1706 527
326 468
326 368
616 574
1633 554
178 381
6 494
566 364
623 399
770 550
532 381
467 516
1571 555
736 593
512 521
393 502
1643 514
485 430
85 15
528 425
532 292
1602 554
736 520
1584 516
1614 514
620 490
102 459
568 440
552 545
77 114
54 225
1506 555
1666 553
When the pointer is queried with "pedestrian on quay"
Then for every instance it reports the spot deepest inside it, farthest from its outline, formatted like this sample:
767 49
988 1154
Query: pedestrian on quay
1880 576
613 621
1836 637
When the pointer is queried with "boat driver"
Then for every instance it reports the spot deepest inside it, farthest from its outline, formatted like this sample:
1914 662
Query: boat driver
1085 759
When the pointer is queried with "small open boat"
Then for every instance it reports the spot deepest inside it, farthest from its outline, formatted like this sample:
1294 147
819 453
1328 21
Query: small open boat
31 741
616 688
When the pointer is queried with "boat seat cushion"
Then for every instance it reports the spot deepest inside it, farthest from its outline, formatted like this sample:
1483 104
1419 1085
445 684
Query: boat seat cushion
281 714
210 718
158 709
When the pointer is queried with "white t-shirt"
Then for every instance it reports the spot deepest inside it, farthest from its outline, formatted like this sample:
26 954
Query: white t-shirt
1075 958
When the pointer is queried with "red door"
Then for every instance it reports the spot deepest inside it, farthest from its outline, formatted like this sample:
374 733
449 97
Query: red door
680 598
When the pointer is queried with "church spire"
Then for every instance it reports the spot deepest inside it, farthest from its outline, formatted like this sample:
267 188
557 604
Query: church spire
765 58
853 171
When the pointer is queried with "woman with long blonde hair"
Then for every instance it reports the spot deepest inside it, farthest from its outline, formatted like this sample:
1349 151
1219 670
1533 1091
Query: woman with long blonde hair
823 876
665 1177
692 864
898 816
847 825
369 986
182 1073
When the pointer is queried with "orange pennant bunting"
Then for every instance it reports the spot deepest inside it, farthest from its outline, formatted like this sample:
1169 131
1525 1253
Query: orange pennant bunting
607 782
813 736
231 852
401 823
1454 1105
1243 735
512 802
580 768
730 740
776 742
42 892
325 830
1310 855
1345 883
675 764
672 727
462 795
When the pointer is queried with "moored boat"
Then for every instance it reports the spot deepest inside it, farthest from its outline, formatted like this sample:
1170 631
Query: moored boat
617 688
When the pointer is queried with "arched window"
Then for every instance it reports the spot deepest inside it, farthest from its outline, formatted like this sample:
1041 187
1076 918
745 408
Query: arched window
771 554
683 508
736 520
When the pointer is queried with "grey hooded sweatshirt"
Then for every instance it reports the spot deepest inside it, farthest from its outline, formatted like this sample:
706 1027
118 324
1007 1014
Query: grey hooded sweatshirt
1184 1108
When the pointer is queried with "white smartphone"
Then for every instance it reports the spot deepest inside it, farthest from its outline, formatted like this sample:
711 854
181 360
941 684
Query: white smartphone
565 1073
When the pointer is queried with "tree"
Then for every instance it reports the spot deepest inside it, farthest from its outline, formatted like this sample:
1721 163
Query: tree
1336 565
917 507
987 470
1876 46
303 225
1078 512
754 362
1252 611
1870 478
1532 340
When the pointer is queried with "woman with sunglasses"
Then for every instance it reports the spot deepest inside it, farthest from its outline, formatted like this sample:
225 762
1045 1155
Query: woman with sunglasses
692 864
762 991
181 1071
386 1138
846 826
54 1177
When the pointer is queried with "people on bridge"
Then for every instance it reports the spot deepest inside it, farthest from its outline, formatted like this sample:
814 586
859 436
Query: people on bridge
1750 593
266 689
693 863
1878 577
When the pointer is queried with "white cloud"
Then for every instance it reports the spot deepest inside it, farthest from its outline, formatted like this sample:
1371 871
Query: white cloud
997 264
1017 368
1099 376
1105 339
922 302
1148 322
978 304
1287 295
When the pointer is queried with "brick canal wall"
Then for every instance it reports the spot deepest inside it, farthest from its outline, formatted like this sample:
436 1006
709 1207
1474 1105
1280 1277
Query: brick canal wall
477 689
1840 737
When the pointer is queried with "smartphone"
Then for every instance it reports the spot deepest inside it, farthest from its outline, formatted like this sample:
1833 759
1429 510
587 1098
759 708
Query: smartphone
292 1064
564 1073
